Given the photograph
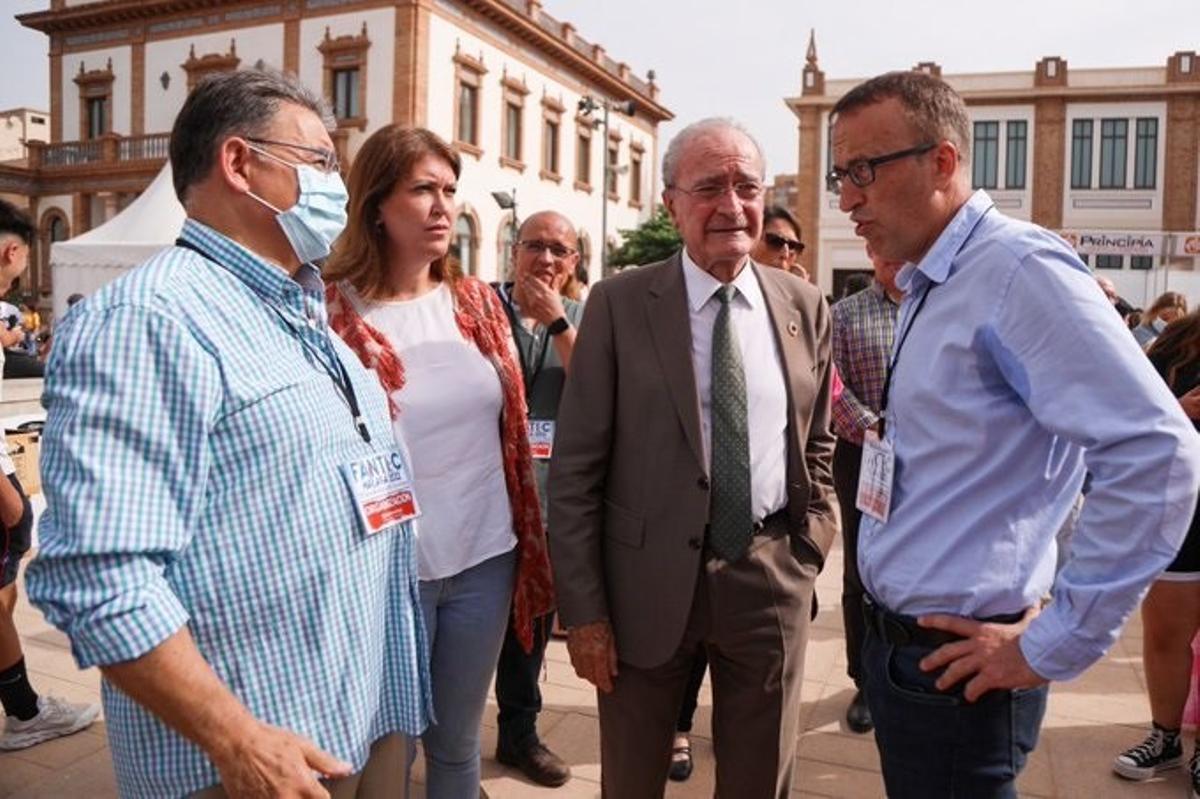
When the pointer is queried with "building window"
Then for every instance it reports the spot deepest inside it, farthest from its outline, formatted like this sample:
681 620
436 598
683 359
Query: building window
986 155
1016 144
635 176
1143 262
1113 143
504 240
614 153
1145 156
468 82
513 127
1110 261
583 154
1083 257
95 101
466 243
199 68
1081 154
551 139
345 75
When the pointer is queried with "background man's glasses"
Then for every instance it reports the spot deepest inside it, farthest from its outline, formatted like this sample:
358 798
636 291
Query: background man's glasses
557 251
862 171
777 242
708 192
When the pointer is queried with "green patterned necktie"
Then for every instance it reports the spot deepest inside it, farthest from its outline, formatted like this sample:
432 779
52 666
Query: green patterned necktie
730 519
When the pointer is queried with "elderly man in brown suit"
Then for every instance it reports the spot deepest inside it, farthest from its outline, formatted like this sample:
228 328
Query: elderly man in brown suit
691 482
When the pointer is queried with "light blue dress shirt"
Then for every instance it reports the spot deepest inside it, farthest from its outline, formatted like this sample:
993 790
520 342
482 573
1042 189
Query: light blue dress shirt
192 468
1015 377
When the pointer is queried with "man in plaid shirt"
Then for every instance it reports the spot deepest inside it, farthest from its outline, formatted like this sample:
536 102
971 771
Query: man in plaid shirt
863 325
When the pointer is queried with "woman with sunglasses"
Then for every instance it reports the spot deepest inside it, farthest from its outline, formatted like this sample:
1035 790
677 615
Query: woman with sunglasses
442 347
780 244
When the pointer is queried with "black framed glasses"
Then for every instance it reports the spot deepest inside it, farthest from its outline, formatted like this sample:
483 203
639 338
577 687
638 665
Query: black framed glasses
708 192
329 159
862 171
777 242
536 247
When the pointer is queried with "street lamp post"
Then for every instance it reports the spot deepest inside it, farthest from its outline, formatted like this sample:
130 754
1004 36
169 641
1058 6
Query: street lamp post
587 106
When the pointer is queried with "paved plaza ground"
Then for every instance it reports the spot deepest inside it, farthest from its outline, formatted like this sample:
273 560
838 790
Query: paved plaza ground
1088 721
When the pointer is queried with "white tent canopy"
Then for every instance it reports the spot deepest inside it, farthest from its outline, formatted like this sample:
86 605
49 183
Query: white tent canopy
91 260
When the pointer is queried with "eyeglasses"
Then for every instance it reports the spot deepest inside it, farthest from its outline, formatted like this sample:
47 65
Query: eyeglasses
535 247
708 192
777 242
862 171
329 159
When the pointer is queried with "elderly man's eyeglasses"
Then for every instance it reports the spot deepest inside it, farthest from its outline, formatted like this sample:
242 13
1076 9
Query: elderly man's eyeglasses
777 242
862 171
535 248
708 192
329 159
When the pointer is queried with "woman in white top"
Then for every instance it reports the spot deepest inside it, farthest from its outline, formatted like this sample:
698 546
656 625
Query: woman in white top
442 348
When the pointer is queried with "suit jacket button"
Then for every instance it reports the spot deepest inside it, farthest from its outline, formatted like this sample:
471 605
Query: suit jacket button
694 542
703 483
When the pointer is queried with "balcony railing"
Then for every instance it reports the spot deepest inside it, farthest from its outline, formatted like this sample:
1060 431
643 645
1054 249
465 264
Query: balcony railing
108 149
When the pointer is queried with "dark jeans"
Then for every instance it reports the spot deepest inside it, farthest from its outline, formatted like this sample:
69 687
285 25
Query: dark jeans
691 694
517 692
935 744
846 459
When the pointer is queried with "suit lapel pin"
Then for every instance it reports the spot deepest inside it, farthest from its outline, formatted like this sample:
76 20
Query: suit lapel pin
793 329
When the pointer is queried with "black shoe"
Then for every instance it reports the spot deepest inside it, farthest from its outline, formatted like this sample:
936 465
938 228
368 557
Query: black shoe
858 715
537 763
681 763
1162 750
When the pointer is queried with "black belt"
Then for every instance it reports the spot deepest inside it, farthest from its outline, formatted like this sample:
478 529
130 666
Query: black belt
900 630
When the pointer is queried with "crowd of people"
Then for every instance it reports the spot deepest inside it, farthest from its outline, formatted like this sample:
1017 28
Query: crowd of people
291 561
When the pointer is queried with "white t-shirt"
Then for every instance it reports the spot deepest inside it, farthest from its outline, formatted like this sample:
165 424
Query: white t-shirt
450 410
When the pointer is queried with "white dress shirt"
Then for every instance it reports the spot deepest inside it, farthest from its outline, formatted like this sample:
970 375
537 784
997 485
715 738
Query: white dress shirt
766 391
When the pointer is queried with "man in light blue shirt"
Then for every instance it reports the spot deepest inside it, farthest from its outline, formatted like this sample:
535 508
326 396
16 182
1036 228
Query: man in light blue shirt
1003 391
209 541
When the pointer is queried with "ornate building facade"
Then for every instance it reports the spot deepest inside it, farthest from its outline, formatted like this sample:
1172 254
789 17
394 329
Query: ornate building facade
500 79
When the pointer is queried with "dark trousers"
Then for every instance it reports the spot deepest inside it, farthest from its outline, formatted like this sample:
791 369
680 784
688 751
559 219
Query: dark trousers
18 363
517 692
935 744
691 694
846 459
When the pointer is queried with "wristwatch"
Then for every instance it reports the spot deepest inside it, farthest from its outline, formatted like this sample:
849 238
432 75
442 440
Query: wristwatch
559 325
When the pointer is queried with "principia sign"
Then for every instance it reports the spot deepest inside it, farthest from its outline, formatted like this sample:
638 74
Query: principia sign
1097 242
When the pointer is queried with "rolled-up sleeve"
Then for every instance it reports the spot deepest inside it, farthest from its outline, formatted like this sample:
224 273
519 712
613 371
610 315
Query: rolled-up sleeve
1083 378
131 397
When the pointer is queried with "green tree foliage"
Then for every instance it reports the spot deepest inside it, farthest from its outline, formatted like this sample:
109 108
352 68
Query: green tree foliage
654 240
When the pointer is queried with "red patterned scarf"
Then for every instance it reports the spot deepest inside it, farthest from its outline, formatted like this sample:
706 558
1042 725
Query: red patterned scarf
482 321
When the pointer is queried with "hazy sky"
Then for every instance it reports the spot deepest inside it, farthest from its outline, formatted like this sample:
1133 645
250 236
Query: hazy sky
731 58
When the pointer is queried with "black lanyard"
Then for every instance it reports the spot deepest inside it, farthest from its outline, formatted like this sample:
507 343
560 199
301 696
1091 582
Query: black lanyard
887 380
339 375
515 322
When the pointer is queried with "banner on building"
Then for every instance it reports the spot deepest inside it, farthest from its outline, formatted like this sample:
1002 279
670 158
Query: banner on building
1138 242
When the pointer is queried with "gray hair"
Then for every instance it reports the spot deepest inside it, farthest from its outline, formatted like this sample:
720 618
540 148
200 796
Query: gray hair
670 163
935 110
241 103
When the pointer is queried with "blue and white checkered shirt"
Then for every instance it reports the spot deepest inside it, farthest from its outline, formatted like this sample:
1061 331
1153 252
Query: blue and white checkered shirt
191 464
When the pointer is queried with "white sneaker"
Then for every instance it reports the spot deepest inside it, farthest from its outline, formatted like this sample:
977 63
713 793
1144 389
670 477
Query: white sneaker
56 718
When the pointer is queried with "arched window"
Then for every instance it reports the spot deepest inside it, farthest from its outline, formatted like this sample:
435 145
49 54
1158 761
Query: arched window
54 227
466 242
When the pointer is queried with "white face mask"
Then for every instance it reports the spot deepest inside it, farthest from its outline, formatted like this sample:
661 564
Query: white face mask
319 215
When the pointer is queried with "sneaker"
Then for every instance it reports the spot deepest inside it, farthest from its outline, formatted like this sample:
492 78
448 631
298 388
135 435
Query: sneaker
1194 768
55 718
1160 751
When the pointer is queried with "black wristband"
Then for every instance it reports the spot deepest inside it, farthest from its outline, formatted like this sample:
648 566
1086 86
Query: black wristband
559 325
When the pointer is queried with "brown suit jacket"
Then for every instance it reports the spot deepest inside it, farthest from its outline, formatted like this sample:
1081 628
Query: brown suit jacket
629 491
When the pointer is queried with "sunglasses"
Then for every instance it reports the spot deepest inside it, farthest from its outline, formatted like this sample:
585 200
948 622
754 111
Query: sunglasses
777 242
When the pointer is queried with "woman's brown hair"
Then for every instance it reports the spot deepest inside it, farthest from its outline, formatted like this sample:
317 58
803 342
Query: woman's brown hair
387 157
1166 301
1178 345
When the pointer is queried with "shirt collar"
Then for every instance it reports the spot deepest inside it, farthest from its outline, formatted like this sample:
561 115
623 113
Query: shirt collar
269 281
935 266
701 286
